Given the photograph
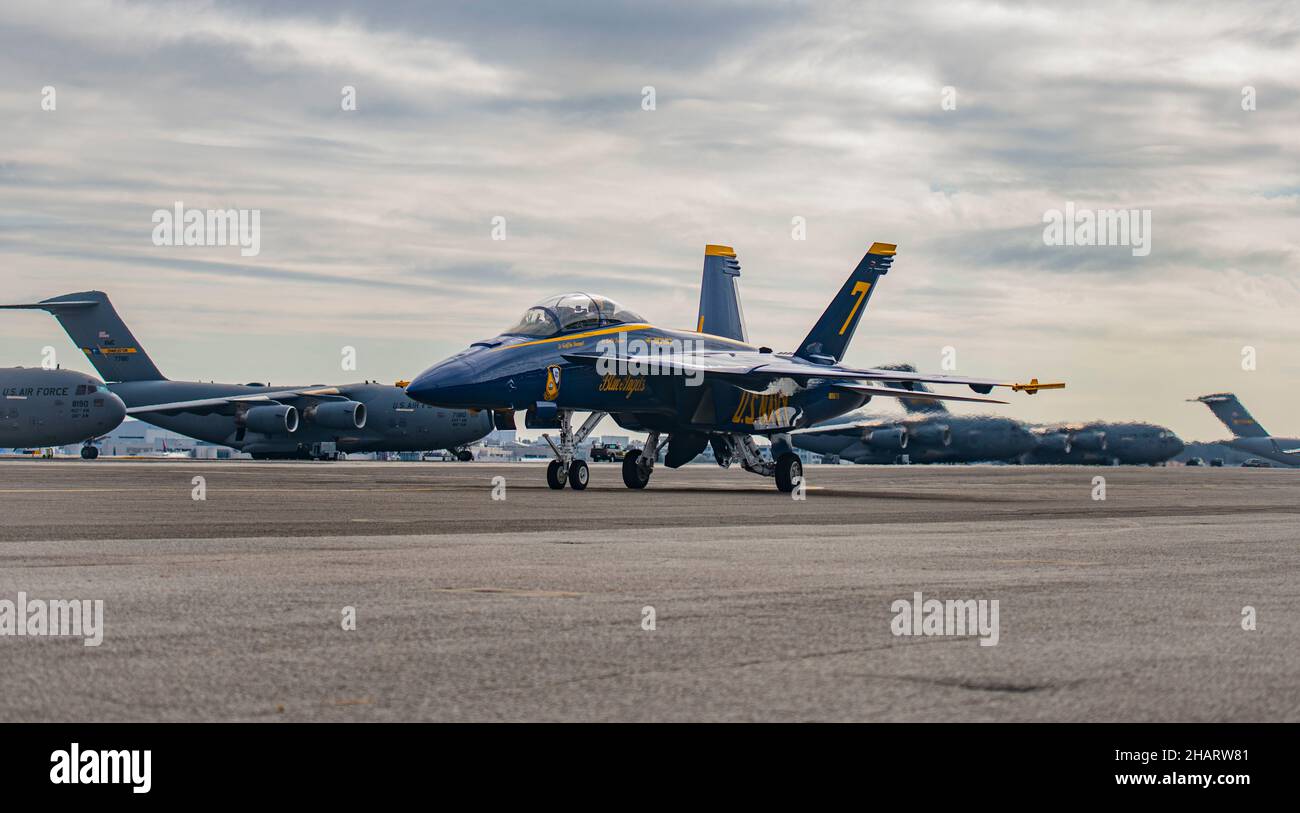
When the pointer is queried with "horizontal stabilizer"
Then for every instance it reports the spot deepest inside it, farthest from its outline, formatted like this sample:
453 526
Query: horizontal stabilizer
96 328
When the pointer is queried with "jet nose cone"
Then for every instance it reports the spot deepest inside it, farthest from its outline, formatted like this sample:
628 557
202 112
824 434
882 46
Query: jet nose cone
442 384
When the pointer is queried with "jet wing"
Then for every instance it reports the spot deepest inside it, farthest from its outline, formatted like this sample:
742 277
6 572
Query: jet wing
894 392
209 404
751 367
793 368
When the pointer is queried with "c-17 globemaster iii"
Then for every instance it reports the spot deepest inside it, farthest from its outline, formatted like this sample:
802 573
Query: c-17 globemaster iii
1247 435
928 434
931 434
686 389
314 421
40 407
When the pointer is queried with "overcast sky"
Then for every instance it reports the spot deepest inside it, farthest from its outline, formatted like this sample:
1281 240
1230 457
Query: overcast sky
377 222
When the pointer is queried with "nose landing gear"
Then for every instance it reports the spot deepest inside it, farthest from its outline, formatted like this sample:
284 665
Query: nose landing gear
566 468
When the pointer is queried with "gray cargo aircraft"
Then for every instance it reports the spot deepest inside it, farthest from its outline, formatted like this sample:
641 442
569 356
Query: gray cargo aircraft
1248 435
267 422
937 439
1096 442
40 407
929 434
1127 443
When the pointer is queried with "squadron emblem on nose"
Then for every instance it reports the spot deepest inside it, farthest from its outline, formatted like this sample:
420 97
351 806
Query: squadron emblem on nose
552 382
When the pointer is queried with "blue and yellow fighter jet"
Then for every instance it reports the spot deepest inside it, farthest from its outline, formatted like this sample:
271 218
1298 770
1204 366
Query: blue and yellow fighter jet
686 389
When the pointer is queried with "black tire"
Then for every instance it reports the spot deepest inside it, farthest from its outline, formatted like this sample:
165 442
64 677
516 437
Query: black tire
464 455
556 475
788 469
578 474
633 477
89 453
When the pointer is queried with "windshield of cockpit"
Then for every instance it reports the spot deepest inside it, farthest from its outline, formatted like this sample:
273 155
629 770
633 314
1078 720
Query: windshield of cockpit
569 312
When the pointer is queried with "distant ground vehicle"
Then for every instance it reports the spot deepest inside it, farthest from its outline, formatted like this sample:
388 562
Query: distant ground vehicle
462 455
607 453
1256 463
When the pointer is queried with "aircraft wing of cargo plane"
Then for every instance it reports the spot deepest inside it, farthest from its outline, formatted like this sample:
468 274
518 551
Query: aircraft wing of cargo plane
581 352
209 405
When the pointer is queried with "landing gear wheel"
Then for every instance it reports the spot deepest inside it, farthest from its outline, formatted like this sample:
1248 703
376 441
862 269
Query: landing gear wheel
89 453
556 475
788 469
464 455
633 475
578 475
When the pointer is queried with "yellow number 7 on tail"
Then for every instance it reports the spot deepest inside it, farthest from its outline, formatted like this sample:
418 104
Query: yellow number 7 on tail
860 291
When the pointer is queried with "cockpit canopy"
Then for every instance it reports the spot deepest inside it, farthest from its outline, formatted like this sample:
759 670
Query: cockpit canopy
566 312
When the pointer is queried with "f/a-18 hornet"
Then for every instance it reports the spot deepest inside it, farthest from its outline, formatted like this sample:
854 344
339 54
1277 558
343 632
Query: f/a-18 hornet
686 389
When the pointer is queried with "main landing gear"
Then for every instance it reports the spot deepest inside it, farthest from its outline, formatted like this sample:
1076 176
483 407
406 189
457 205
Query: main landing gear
639 464
789 472
787 468
89 452
566 468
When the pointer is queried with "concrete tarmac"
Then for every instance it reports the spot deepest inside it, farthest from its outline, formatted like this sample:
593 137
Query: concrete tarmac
765 608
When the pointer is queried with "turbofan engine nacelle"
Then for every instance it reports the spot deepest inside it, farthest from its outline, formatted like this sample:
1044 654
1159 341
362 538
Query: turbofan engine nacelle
1056 442
935 434
273 419
338 414
1093 441
893 438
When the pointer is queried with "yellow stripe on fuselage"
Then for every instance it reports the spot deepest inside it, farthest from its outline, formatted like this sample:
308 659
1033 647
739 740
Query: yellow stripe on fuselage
572 336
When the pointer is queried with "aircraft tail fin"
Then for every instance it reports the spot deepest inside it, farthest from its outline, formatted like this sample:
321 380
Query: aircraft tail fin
93 325
720 311
916 406
1228 409
830 337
